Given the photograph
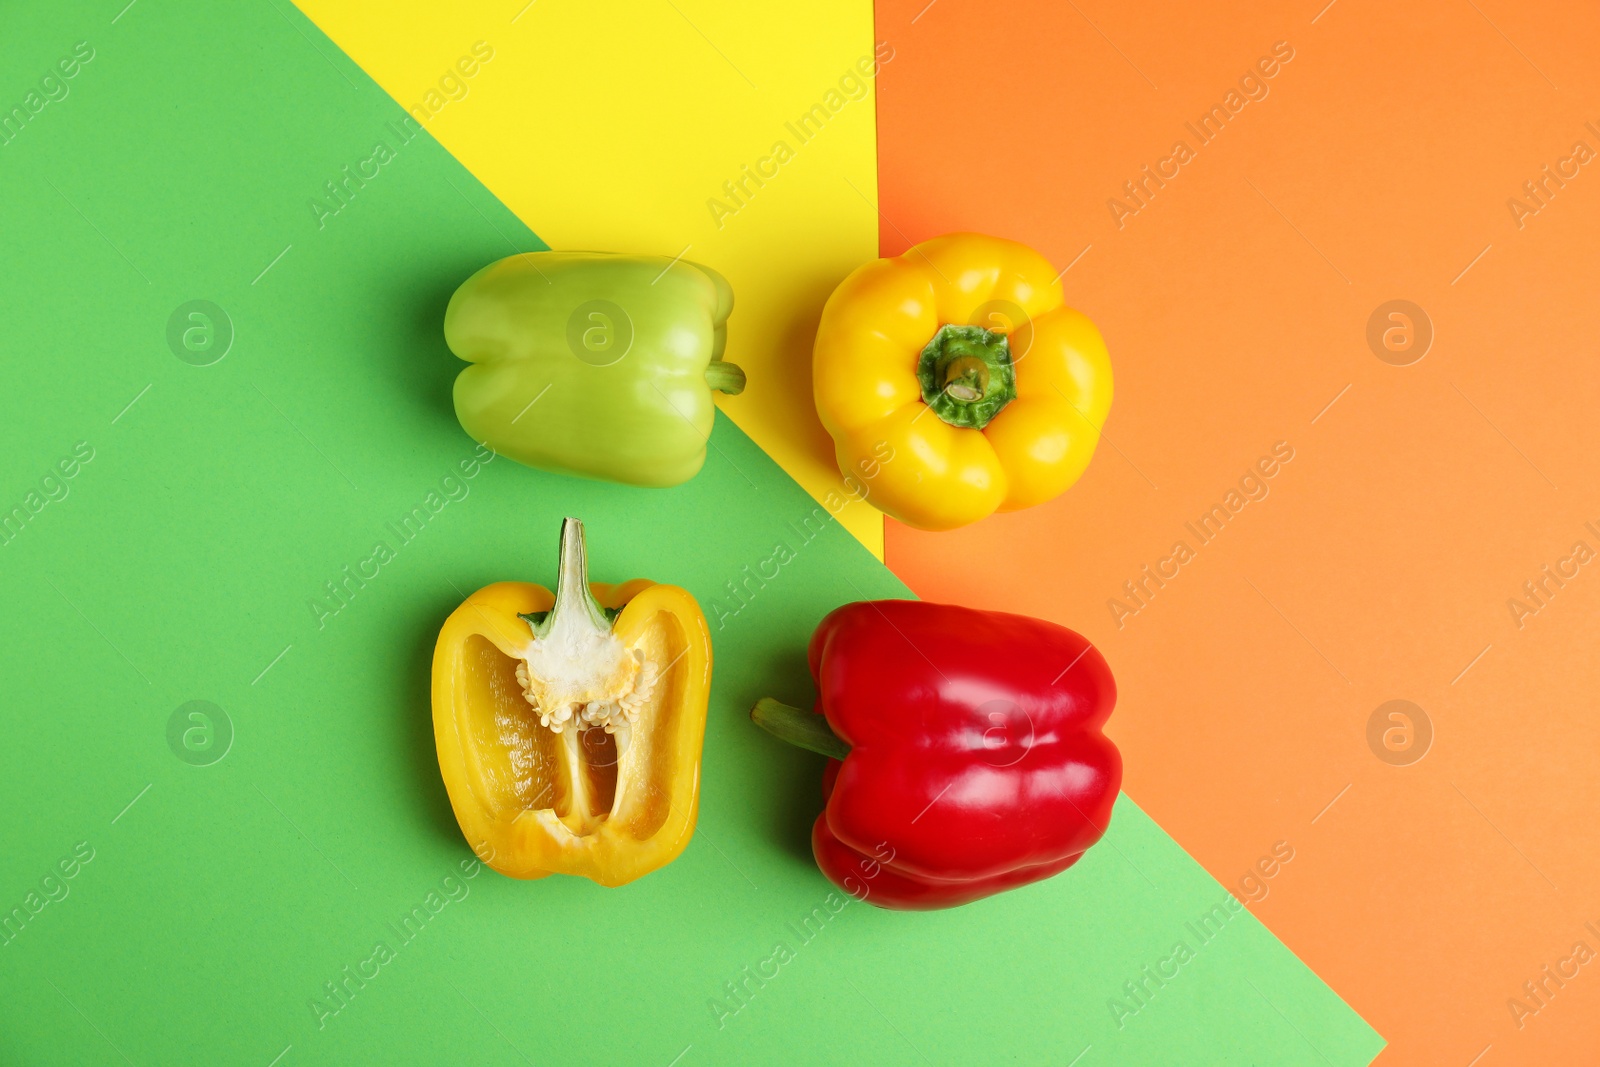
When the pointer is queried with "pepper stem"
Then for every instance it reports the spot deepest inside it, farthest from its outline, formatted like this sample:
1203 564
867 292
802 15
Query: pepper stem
967 375
966 378
803 728
573 599
725 377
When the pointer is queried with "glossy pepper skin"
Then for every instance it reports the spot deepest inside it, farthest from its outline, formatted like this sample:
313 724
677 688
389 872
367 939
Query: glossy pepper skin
593 364
973 757
973 328
569 725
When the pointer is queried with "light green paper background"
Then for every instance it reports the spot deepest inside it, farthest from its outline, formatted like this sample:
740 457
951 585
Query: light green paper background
180 565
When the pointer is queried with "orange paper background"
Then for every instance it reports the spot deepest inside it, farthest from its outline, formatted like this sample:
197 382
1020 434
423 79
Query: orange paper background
1379 566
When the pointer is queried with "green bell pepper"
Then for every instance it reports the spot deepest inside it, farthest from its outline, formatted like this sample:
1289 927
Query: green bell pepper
592 363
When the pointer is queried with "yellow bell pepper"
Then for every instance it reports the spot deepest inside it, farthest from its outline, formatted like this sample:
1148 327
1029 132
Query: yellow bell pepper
973 328
569 726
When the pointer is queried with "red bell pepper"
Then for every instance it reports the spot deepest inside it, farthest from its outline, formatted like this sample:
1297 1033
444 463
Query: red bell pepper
966 753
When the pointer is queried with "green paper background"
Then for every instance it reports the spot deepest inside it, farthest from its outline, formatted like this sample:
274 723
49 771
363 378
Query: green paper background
220 498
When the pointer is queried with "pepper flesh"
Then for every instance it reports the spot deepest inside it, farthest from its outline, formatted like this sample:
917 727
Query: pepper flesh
967 752
569 725
974 328
593 364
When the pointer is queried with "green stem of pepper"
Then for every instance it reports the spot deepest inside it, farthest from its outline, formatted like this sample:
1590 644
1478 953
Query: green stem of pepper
573 598
967 375
806 729
966 378
725 377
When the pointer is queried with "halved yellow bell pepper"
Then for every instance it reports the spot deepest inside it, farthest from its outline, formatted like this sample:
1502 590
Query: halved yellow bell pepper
569 726
956 384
